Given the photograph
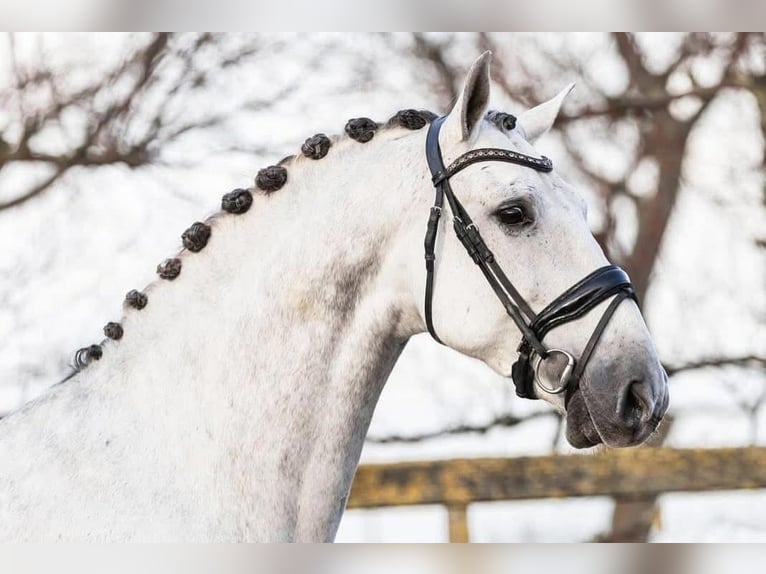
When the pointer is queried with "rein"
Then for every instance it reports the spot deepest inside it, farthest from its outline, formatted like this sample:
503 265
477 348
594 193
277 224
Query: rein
575 302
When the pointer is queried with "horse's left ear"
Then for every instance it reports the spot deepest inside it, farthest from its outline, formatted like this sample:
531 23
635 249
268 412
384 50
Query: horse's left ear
538 120
465 119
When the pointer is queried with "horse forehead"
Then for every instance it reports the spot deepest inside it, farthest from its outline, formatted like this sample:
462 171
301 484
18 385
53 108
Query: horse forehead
521 179
507 178
511 179
491 136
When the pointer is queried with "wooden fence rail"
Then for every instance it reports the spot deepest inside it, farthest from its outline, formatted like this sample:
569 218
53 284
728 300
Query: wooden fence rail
627 474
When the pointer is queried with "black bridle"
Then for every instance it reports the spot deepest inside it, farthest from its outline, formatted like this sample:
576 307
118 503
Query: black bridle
575 302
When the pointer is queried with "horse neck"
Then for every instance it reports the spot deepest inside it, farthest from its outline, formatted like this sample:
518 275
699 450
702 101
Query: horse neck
278 337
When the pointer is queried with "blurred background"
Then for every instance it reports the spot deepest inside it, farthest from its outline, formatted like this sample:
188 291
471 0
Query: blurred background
110 144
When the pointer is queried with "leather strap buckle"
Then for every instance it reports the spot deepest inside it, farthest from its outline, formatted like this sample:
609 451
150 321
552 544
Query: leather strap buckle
565 377
440 176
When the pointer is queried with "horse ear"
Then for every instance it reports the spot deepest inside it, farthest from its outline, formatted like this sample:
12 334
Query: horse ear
539 120
464 120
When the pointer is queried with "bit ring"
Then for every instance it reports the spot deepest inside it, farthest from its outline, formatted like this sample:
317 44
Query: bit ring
565 376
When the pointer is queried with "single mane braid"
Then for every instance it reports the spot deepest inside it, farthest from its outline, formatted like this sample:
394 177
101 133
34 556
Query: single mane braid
113 331
361 129
169 269
412 119
237 201
316 147
136 299
195 238
503 121
271 178
85 356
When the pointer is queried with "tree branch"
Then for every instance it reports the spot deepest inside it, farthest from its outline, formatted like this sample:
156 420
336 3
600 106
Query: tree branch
744 361
620 107
433 53
36 190
633 58
502 421
122 116
522 92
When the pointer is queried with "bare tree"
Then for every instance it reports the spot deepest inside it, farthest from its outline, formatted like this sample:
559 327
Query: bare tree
663 135
128 115
646 107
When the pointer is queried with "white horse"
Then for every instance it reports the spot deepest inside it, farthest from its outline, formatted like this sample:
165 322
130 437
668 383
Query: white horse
235 406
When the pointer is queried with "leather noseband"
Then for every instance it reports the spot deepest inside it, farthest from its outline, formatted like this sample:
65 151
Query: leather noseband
574 303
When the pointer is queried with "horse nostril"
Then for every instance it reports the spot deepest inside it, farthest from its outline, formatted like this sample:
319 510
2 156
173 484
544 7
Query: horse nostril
637 405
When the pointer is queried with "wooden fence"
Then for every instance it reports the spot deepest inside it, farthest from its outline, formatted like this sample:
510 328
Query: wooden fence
632 474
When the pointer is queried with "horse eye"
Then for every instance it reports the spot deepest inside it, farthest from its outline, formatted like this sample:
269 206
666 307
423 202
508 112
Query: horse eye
512 215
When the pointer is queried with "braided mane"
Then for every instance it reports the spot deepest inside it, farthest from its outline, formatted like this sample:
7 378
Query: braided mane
267 181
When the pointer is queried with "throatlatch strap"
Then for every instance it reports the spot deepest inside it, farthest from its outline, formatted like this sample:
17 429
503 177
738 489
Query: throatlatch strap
430 244
436 165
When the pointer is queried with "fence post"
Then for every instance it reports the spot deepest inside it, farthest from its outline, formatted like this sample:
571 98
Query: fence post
458 522
633 517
